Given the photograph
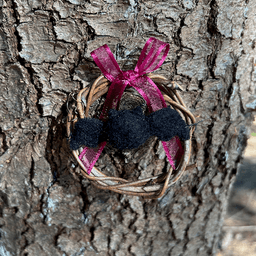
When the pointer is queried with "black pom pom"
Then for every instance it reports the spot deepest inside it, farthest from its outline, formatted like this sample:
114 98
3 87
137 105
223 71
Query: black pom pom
87 132
167 123
127 129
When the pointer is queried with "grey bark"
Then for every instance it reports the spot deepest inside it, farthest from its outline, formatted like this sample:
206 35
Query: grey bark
45 207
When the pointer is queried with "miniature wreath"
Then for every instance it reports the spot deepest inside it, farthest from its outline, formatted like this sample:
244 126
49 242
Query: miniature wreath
128 129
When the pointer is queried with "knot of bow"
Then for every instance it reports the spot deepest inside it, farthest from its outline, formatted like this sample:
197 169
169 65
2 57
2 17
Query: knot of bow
151 58
128 76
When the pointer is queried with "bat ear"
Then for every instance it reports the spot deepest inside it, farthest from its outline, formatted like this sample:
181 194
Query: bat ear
137 111
112 112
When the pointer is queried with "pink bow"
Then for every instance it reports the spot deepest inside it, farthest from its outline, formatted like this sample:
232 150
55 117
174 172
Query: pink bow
151 58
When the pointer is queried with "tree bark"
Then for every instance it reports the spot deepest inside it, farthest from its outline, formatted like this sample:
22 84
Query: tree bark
45 207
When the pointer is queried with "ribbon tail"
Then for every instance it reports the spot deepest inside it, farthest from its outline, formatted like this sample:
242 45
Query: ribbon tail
155 101
114 96
173 150
89 156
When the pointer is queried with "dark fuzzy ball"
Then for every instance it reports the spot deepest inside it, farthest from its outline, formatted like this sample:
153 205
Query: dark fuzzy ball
87 132
127 129
167 123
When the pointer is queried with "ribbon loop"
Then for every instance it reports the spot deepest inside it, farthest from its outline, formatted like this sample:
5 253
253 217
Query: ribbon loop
152 56
107 63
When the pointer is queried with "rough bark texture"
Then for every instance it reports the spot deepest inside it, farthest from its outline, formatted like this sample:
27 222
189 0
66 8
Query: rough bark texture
45 207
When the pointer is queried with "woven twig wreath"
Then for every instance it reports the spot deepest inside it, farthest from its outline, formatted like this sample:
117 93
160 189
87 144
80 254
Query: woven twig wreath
152 187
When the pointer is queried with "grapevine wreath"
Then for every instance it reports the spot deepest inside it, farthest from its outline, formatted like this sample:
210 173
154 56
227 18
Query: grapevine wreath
129 129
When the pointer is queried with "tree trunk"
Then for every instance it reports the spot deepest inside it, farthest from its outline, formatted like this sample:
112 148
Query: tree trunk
48 209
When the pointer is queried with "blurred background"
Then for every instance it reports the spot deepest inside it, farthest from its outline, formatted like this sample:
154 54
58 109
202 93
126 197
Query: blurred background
239 231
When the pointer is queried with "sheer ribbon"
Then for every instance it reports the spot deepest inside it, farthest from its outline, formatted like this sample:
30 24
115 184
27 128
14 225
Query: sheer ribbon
151 58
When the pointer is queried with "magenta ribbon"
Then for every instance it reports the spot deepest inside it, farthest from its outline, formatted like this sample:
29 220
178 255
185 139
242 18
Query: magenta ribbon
151 58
